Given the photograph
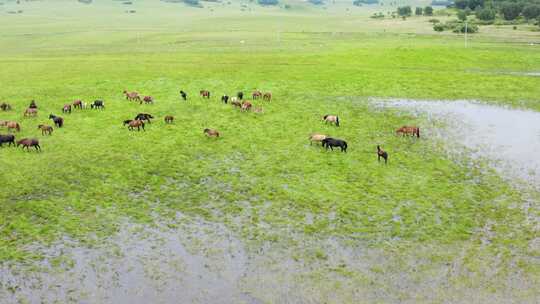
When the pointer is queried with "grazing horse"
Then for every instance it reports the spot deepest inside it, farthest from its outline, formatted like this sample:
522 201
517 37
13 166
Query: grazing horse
78 104
383 154
45 129
7 138
98 104
13 125
211 132
66 108
144 116
225 99
204 93
29 142
5 106
409 130
136 124
332 142
132 96
240 95
33 104
267 96
30 112
236 104
148 99
256 94
183 95
331 119
58 121
246 106
169 119
316 138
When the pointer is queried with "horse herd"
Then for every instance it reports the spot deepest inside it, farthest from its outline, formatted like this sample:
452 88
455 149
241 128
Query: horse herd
138 122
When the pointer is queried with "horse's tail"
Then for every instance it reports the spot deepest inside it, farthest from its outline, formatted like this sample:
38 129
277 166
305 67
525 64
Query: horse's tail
418 132
337 121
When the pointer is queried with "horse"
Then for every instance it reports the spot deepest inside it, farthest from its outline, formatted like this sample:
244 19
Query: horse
3 123
256 94
98 104
183 95
29 142
13 125
78 104
236 104
5 106
409 130
132 96
136 124
225 99
127 121
66 108
240 95
144 116
267 96
33 104
331 119
58 121
45 129
316 138
204 93
30 112
211 132
383 154
332 142
7 138
246 106
169 119
148 99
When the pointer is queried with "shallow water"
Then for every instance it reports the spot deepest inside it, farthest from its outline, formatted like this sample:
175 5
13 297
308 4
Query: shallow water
510 138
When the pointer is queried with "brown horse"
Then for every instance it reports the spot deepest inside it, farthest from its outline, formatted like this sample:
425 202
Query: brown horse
66 108
267 96
136 124
148 99
246 106
211 132
331 119
45 129
29 142
204 93
132 96
30 112
409 130
5 106
315 137
13 125
169 119
78 104
383 154
256 94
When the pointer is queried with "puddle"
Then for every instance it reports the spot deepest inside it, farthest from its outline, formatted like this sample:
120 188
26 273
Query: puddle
509 138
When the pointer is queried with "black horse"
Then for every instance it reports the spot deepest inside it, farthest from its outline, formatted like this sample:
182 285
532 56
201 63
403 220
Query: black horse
225 99
98 104
332 142
144 116
183 95
383 154
58 121
8 138
240 95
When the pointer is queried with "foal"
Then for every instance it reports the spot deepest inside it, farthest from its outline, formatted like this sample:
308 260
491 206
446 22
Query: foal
45 129
169 119
66 108
383 154
204 93
409 130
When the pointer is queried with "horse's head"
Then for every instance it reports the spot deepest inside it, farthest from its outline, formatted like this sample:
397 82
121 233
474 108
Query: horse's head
51 116
39 126
325 116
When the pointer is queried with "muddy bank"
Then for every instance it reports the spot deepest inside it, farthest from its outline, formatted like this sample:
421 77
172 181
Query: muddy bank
507 137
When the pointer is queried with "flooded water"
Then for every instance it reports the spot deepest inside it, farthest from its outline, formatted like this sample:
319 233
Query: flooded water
509 138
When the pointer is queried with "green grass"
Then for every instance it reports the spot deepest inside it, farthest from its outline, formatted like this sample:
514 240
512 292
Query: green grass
262 172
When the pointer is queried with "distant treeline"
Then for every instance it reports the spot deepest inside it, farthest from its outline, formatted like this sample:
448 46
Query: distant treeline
508 10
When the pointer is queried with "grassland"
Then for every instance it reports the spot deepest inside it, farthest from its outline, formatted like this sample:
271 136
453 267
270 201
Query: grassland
262 178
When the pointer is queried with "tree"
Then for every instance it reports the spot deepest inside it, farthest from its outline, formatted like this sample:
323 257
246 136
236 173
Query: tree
428 11
485 14
438 27
418 11
531 11
510 10
404 11
462 15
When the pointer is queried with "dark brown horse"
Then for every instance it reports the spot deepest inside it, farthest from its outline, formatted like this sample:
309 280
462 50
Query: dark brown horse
409 130
246 106
132 96
383 154
169 119
267 96
66 108
58 121
204 93
135 124
148 99
7 138
78 104
5 106
256 94
13 125
45 129
29 142
211 132
30 112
